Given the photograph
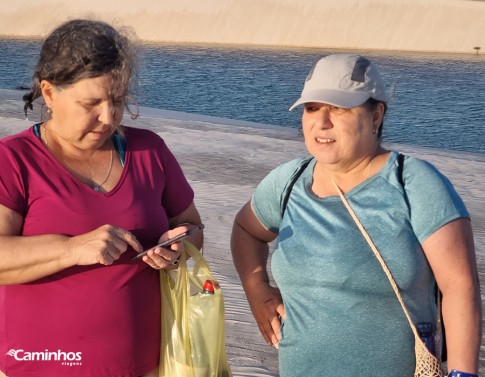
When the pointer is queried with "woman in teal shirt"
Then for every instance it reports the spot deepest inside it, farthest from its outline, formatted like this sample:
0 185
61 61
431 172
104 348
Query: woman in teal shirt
334 311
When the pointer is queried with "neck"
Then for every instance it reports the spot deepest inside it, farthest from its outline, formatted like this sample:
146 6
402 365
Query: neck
346 177
91 166
65 149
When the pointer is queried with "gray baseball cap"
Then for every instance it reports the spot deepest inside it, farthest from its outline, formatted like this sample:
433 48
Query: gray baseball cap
342 80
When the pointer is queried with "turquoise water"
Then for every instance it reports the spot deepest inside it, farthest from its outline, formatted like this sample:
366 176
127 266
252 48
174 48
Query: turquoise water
438 101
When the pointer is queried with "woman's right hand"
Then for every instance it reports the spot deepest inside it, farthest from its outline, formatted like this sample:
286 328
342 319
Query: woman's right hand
268 309
249 247
103 245
28 258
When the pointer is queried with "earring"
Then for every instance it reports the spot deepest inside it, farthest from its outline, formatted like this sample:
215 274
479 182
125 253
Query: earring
374 131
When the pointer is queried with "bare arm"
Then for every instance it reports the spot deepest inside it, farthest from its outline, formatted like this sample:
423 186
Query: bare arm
249 245
28 258
450 252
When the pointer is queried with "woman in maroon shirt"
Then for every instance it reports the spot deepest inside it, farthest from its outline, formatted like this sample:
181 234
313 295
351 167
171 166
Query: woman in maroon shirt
80 195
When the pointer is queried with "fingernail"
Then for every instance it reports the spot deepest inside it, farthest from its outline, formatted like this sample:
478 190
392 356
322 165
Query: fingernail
277 346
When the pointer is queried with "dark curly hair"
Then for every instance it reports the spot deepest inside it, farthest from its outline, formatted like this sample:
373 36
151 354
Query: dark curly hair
80 49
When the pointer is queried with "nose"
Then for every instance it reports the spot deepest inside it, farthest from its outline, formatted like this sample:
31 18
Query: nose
107 112
323 117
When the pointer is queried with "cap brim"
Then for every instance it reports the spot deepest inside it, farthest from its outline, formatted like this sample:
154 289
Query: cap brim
333 97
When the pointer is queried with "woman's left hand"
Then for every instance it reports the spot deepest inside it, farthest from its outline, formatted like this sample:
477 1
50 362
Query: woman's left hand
166 257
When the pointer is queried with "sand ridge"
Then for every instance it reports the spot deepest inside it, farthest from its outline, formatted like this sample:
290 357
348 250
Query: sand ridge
415 25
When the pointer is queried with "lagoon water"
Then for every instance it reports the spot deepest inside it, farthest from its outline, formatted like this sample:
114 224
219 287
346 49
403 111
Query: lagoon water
436 100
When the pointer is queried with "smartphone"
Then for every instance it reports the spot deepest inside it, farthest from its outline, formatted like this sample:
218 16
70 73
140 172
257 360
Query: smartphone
170 241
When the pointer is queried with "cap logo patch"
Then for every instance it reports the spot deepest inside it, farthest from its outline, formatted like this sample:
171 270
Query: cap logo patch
358 74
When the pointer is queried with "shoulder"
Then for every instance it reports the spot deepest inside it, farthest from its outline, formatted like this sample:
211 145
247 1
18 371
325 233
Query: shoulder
273 191
21 145
12 141
286 171
140 135
417 178
141 140
418 165
432 198
278 180
422 173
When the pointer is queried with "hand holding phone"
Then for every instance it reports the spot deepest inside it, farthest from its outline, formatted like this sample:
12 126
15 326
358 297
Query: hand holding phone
171 241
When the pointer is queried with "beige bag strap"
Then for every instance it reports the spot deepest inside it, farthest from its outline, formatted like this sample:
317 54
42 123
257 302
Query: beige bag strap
379 258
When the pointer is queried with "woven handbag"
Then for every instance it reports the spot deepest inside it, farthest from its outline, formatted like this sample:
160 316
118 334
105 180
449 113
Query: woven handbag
427 365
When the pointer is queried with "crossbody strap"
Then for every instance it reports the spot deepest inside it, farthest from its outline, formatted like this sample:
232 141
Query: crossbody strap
379 258
291 182
427 364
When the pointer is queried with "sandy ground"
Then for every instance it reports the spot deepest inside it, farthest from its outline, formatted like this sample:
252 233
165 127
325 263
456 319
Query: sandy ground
224 160
412 25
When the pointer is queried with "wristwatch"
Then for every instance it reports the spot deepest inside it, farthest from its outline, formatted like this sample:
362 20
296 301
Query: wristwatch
457 373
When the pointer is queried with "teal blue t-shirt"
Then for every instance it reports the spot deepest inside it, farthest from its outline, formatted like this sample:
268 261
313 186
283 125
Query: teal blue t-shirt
342 316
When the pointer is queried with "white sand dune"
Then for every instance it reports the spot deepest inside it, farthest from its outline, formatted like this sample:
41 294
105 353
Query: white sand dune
413 25
224 160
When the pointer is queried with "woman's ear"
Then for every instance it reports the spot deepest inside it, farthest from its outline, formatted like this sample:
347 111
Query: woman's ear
48 92
378 115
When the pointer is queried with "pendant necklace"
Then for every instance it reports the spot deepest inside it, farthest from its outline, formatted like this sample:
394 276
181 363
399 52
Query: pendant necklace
96 187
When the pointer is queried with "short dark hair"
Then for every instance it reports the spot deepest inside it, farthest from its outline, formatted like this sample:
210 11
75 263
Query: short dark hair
80 49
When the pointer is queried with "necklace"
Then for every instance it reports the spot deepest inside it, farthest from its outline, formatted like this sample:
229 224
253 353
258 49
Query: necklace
96 187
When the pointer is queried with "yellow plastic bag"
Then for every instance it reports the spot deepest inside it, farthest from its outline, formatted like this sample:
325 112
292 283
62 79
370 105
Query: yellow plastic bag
193 340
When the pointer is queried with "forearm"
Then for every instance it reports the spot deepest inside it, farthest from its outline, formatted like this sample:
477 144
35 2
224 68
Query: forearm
250 254
451 255
25 259
462 320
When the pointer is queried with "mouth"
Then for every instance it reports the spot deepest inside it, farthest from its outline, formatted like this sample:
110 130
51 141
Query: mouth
322 140
99 132
99 135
